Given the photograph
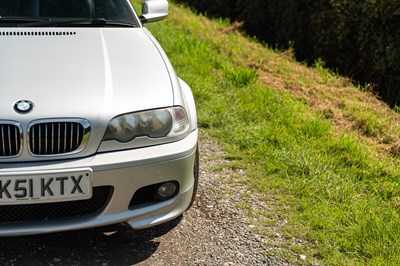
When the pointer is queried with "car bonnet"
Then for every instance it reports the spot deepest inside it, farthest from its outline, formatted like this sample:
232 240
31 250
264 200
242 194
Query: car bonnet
92 73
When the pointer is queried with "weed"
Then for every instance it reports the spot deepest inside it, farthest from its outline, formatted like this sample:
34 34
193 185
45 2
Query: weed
240 77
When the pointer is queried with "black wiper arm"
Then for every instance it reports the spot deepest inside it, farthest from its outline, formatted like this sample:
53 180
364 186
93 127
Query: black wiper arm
78 22
22 20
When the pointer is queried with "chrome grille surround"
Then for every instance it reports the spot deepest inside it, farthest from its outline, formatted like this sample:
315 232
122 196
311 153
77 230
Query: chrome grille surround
54 137
11 139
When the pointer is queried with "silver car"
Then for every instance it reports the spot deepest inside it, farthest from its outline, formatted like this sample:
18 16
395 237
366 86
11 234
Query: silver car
95 126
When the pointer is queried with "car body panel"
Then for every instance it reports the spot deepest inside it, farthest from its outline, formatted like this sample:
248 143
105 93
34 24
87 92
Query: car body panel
96 78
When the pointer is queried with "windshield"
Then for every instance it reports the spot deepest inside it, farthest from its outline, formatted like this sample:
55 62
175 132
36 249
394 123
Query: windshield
33 10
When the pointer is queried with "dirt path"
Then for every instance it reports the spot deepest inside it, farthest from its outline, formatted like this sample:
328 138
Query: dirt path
213 232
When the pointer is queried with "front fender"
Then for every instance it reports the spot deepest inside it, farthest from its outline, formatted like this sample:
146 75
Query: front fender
189 103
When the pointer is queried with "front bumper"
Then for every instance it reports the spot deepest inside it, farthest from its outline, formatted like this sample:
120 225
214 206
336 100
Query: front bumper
126 171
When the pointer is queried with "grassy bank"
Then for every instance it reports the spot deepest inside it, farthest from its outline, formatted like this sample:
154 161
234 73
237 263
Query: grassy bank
323 150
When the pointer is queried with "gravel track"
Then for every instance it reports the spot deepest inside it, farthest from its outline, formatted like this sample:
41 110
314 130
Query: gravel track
213 232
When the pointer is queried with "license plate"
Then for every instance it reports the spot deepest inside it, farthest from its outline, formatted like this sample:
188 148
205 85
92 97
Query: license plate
37 187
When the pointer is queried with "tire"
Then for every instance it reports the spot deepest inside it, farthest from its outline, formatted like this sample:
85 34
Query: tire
196 178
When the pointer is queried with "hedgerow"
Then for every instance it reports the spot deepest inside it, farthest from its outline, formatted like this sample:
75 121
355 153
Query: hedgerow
360 39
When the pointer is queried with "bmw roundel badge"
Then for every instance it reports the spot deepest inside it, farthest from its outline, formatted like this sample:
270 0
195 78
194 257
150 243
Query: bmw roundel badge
23 106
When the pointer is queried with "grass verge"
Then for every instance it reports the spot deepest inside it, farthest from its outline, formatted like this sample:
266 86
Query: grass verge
322 149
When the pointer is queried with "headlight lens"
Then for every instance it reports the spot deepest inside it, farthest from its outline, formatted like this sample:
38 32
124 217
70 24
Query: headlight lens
153 124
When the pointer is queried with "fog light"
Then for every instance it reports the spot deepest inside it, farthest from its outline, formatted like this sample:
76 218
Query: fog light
166 190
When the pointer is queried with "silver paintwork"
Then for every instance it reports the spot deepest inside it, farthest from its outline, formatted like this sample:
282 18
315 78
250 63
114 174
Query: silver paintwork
154 10
126 171
97 74
105 67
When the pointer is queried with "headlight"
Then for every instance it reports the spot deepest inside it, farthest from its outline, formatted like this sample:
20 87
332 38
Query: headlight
167 122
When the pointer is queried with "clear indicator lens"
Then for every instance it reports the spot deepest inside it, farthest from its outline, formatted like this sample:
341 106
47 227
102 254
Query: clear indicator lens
181 123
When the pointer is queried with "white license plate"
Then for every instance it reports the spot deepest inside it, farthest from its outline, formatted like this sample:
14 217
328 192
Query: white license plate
51 186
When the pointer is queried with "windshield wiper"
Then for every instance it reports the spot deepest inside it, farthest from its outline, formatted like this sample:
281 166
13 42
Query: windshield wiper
16 21
97 22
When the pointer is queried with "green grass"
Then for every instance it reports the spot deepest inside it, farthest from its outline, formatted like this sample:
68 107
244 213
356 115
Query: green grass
338 191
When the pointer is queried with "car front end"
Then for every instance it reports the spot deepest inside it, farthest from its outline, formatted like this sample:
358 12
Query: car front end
95 126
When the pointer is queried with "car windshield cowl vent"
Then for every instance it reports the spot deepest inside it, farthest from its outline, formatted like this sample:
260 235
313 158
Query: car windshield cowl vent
25 33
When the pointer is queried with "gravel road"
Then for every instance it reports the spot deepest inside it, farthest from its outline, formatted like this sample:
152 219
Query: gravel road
213 232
